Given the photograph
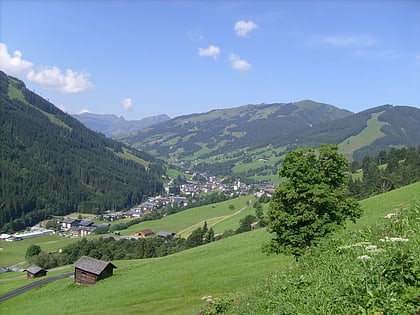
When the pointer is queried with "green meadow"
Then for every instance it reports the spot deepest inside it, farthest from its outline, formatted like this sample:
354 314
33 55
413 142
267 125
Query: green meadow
169 285
184 222
175 284
368 135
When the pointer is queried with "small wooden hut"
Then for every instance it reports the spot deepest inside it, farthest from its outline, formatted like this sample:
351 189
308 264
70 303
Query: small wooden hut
90 270
35 272
144 233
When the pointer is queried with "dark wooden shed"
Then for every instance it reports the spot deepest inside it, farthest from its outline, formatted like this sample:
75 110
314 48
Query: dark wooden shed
35 272
89 270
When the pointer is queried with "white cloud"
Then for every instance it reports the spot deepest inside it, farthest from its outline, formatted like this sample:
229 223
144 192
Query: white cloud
13 65
211 51
84 110
69 82
242 28
418 57
127 103
347 40
239 64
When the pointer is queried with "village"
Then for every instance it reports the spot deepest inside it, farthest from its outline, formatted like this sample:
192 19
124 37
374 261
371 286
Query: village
80 227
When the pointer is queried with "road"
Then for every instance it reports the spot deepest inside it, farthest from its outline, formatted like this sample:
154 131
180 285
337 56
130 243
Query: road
33 285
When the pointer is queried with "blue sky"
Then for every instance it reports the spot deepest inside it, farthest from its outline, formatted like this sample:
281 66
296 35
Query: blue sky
144 58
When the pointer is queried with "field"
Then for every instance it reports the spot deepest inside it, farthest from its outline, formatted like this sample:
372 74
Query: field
176 283
365 138
168 285
218 216
14 252
185 221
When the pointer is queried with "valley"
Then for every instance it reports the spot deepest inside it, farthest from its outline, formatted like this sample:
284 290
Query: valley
233 267
203 175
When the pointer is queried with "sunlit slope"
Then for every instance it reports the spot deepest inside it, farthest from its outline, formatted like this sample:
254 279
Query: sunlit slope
219 216
168 285
365 138
175 284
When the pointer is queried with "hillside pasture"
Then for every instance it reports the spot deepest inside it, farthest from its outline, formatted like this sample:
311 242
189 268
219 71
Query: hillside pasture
184 220
169 285
14 252
364 138
175 284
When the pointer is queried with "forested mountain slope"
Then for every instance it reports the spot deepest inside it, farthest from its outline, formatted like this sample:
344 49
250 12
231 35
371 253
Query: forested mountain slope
50 164
389 126
249 141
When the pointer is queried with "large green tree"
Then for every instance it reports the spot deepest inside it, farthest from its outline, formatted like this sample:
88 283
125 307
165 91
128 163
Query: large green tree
312 202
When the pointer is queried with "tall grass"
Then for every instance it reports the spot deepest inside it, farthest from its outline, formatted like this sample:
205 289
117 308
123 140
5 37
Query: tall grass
375 270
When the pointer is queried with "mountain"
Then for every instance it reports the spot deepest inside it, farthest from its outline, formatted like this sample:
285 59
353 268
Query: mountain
51 164
368 132
224 130
250 140
112 125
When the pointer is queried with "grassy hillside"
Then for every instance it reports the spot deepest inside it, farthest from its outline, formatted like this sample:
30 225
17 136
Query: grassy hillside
365 138
184 222
171 285
371 269
175 284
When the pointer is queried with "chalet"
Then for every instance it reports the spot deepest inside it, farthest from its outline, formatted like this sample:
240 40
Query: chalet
84 223
35 272
180 201
112 216
161 201
147 206
132 213
144 233
67 223
90 270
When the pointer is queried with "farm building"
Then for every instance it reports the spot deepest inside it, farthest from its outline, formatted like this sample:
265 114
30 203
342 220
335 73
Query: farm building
144 233
165 235
35 272
90 270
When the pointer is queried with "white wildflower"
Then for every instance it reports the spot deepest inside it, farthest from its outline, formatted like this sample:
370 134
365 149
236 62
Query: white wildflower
390 215
360 244
371 247
394 239
363 257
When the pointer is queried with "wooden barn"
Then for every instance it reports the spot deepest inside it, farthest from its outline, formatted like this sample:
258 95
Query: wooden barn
90 270
35 272
144 233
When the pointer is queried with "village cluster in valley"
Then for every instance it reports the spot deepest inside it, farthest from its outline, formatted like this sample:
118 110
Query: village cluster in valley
77 227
